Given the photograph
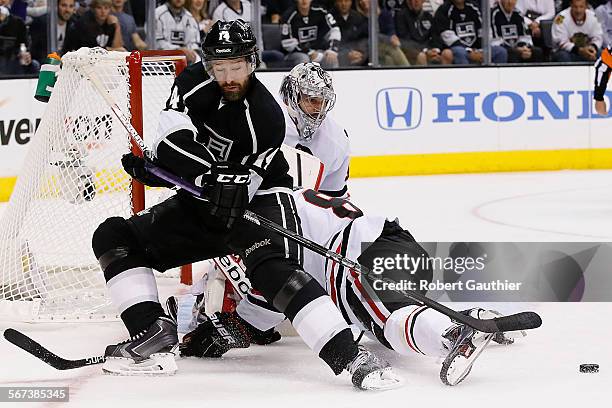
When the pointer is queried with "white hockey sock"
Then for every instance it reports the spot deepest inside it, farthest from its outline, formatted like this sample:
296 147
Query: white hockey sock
318 322
416 329
133 286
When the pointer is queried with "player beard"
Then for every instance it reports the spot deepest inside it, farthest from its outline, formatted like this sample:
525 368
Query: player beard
234 91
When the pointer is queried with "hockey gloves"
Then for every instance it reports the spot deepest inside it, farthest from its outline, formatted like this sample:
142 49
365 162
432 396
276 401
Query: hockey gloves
215 336
135 167
228 191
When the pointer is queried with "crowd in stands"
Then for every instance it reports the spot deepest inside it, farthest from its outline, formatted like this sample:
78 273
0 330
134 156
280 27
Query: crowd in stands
332 32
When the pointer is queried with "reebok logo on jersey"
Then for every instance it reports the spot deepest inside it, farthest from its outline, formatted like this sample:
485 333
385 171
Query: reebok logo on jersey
257 245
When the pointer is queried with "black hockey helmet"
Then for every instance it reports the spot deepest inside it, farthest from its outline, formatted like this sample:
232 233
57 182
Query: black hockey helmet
229 39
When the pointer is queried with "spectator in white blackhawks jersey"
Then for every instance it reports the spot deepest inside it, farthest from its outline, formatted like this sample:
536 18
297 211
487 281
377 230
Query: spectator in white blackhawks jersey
577 34
310 33
177 29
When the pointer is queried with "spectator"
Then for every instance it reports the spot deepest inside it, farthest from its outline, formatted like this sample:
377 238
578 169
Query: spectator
96 28
177 29
414 27
393 6
458 26
129 35
17 8
276 8
65 21
534 11
353 49
36 8
577 35
310 34
389 51
510 31
229 10
199 11
12 34
604 15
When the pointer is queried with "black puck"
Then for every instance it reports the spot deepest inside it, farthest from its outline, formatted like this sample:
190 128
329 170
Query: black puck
589 368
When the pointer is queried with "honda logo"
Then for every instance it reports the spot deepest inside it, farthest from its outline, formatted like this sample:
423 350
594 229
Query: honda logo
399 108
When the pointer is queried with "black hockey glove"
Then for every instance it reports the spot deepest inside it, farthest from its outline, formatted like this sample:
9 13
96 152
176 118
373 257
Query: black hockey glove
135 167
228 191
214 337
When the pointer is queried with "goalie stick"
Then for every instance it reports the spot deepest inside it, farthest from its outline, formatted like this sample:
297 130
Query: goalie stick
518 321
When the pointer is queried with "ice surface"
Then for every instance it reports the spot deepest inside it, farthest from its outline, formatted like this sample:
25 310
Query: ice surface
539 370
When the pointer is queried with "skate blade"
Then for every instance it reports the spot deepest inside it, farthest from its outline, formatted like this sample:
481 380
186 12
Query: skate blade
452 377
159 364
381 381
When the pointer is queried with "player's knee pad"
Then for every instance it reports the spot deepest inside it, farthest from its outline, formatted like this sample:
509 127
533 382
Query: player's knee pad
116 247
287 287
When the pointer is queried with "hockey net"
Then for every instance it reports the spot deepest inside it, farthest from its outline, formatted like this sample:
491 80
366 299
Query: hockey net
72 180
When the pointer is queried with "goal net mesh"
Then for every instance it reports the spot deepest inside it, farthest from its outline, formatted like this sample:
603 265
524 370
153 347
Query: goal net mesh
71 181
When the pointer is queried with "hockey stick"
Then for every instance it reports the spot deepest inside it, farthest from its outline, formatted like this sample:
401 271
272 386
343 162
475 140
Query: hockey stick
519 321
26 343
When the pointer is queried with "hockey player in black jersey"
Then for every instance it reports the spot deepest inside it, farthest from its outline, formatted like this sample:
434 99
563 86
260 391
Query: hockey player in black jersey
222 130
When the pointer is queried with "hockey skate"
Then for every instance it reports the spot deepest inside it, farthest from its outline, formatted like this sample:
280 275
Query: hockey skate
150 352
370 373
465 344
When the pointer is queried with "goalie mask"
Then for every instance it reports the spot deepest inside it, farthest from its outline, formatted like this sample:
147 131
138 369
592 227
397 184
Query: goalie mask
309 95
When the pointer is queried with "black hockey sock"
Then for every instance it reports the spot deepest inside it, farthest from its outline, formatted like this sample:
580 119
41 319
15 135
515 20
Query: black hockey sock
140 317
339 351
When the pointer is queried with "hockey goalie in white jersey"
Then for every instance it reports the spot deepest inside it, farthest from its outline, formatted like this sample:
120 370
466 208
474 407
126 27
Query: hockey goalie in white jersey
398 324
306 97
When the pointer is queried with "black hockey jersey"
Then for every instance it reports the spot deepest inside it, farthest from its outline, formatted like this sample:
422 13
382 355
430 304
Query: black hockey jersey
509 30
316 31
414 26
198 126
456 26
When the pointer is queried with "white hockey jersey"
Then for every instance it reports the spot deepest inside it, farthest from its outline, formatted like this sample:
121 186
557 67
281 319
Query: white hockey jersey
325 220
174 32
330 144
567 33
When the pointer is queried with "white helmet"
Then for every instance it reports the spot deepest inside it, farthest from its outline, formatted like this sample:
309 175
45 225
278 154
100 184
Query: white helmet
309 95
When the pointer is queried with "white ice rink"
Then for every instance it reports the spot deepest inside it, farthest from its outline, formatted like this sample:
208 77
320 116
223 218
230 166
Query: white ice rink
539 370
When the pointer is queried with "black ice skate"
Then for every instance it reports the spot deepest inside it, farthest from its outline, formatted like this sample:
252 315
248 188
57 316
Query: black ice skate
465 345
370 373
148 353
